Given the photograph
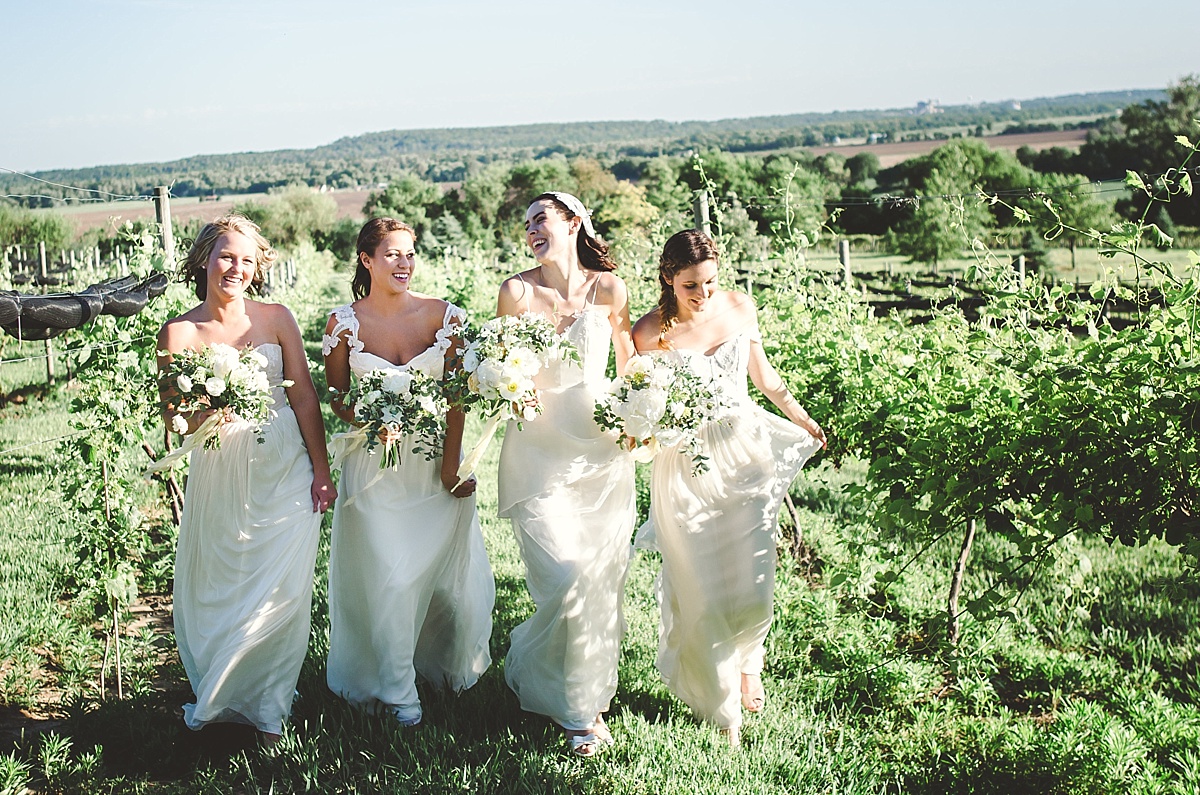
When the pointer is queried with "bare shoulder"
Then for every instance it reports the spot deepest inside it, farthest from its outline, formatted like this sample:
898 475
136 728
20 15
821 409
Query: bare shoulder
610 289
178 333
275 319
514 292
646 331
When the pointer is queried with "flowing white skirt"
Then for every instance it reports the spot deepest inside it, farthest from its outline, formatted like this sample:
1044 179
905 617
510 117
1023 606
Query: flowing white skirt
569 491
244 575
410 587
716 533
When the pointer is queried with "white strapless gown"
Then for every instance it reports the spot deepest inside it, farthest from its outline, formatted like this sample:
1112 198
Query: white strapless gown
244 569
716 533
410 587
569 490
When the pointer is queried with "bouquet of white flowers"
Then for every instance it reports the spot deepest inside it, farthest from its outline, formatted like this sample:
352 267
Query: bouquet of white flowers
660 403
391 403
499 361
219 377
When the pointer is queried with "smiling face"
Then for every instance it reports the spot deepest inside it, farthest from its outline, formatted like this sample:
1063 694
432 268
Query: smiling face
694 286
392 265
548 232
231 265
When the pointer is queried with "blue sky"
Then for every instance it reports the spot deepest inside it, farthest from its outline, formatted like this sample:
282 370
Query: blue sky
118 81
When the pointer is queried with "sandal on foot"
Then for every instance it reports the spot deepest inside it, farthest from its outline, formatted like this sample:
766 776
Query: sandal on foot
755 697
405 717
600 729
584 745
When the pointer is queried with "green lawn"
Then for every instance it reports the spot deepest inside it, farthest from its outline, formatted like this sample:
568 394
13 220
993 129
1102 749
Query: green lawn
1089 686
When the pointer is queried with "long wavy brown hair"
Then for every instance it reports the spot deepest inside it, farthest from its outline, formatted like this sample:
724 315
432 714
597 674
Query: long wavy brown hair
593 252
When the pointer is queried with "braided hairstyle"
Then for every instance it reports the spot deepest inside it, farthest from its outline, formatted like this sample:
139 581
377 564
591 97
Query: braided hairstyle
683 250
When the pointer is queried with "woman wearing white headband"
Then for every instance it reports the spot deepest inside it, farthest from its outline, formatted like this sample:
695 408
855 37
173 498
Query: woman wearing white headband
567 488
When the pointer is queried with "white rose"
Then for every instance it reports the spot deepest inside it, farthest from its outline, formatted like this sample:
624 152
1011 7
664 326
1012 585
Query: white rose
214 386
427 403
662 377
369 398
648 403
489 373
638 427
179 424
184 383
470 360
398 382
224 360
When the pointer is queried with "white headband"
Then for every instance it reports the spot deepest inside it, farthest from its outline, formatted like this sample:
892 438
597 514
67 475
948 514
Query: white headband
574 205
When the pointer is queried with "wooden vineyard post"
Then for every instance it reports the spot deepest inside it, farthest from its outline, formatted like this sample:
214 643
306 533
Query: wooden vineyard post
1021 271
49 343
700 212
162 214
844 258
956 579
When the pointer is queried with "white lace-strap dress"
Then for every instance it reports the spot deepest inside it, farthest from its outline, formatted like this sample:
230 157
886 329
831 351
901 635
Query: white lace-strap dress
244 569
716 533
569 491
410 588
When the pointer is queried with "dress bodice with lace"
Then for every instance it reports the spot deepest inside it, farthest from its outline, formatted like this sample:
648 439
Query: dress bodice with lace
726 365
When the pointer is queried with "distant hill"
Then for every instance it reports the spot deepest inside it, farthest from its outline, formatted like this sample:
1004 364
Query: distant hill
446 155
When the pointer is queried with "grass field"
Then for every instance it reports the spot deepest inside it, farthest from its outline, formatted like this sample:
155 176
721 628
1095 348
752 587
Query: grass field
1089 686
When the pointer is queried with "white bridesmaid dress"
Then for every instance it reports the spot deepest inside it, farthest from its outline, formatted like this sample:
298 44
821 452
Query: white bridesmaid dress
244 569
410 588
569 490
716 533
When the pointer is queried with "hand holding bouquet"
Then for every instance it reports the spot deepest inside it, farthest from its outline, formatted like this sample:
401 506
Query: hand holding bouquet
660 403
390 403
218 377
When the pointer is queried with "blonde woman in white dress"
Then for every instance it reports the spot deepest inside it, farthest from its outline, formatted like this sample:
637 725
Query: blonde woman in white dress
716 530
410 588
569 489
252 512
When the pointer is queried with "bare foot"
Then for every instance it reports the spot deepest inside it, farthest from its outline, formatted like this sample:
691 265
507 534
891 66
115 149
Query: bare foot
753 694
733 735
267 739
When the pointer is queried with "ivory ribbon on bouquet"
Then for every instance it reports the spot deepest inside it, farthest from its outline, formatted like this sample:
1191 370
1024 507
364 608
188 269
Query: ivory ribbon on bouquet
208 429
466 467
345 443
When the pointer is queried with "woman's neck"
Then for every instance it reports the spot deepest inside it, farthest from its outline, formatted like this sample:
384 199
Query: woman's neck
225 311
563 276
